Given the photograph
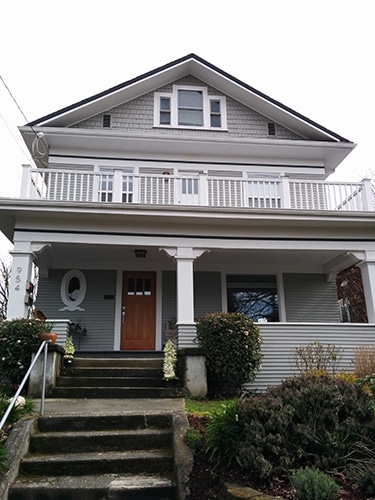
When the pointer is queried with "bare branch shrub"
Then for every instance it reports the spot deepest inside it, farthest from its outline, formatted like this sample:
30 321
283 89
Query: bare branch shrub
317 357
364 360
4 288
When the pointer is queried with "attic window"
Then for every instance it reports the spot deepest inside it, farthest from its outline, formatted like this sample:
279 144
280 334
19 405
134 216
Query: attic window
106 121
189 107
271 128
165 111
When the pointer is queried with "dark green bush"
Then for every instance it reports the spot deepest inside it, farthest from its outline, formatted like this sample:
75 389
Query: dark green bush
18 411
224 434
316 421
366 479
194 439
16 338
232 343
312 484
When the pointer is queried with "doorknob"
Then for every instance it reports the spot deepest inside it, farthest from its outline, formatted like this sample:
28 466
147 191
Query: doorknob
123 314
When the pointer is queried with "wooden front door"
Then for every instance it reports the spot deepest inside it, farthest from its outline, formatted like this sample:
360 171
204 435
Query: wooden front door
138 319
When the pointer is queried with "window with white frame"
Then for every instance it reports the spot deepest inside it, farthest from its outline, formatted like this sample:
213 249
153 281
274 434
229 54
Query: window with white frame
115 185
190 107
105 192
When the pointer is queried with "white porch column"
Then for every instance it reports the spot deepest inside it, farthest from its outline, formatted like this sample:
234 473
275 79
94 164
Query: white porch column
19 284
285 192
185 257
367 268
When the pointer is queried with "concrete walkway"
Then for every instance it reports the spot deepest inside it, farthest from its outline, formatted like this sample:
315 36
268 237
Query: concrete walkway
110 406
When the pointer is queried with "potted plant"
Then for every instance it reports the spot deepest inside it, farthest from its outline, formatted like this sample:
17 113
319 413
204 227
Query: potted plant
69 350
46 333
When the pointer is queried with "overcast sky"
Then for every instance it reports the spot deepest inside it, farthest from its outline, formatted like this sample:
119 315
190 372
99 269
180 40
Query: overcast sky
316 57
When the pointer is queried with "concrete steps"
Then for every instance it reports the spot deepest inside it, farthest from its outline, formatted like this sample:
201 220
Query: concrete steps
139 377
98 457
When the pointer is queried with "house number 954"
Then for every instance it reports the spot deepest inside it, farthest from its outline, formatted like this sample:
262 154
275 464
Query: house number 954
18 278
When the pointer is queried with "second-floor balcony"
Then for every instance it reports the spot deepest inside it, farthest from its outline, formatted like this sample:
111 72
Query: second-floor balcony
199 190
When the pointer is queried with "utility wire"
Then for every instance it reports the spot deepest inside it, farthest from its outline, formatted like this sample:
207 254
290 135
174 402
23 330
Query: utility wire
15 138
35 146
14 100
16 103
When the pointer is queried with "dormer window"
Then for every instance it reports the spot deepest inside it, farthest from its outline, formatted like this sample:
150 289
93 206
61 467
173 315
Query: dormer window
190 107
165 111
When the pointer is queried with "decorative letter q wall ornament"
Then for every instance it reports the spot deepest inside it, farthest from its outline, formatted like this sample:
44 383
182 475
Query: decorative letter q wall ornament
73 290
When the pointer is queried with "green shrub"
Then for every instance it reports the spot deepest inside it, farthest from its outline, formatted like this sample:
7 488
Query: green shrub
366 479
16 338
18 411
318 421
367 383
194 439
317 357
224 434
312 484
232 343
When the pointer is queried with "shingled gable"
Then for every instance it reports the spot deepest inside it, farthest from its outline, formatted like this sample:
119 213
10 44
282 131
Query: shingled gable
206 72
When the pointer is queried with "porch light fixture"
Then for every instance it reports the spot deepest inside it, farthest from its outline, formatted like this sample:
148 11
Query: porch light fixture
140 254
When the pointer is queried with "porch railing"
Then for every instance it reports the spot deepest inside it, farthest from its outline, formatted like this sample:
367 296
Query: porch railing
281 339
200 190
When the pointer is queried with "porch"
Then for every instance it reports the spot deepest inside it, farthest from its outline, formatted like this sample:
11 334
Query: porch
118 186
280 341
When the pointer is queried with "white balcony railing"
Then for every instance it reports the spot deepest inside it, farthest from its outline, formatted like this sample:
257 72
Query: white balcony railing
200 190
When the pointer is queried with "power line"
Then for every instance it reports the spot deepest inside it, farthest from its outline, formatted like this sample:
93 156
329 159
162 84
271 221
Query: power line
15 138
16 103
13 98
37 138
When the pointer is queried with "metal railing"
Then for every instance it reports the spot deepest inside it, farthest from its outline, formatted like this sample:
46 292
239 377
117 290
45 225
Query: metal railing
195 189
43 348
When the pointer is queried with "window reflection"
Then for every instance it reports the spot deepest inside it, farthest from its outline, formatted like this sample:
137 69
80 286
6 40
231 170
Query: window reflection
255 296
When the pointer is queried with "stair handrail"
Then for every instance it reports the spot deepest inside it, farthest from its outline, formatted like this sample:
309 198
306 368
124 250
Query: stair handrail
43 347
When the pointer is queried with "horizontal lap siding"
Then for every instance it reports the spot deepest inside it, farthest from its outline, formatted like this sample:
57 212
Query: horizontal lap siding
280 340
99 307
310 298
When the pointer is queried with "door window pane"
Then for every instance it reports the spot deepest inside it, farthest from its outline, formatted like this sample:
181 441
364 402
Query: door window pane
147 286
131 286
139 286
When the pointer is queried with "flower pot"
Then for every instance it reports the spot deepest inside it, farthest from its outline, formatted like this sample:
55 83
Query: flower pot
52 336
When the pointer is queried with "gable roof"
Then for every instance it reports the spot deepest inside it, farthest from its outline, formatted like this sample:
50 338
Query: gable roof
203 70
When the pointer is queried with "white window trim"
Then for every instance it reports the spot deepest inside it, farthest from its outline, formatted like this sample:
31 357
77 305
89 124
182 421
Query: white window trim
174 108
73 305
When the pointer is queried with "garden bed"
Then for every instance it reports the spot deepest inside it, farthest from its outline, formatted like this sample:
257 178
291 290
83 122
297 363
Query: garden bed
206 481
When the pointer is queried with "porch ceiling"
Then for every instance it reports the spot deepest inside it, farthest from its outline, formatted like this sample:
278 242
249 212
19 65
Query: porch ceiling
84 256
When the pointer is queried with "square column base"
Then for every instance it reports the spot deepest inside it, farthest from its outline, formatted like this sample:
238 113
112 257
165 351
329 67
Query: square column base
194 371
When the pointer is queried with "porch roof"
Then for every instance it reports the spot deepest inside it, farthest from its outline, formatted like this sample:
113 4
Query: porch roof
71 234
